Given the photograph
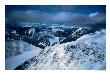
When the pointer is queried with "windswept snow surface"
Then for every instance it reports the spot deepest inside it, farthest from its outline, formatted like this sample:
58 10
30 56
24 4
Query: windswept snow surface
14 61
87 52
17 47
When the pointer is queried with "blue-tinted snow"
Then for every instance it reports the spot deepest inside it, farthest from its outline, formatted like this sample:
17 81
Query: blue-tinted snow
88 52
29 52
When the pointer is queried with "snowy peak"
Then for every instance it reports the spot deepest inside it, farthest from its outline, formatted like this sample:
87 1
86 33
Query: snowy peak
88 52
77 34
31 31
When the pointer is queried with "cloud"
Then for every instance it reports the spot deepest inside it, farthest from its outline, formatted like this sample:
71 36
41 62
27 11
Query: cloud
26 16
60 17
98 17
63 17
74 18
93 14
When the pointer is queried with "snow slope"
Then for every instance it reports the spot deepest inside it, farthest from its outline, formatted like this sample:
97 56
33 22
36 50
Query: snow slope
17 47
88 52
14 61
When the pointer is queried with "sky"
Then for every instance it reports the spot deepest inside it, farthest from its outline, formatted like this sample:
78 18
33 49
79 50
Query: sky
62 14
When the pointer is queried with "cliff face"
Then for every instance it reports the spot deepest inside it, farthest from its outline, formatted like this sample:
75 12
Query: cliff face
16 47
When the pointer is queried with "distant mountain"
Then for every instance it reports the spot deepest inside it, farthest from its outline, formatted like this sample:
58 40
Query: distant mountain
44 35
77 34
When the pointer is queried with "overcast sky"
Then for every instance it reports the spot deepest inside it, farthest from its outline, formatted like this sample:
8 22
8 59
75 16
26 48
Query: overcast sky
62 14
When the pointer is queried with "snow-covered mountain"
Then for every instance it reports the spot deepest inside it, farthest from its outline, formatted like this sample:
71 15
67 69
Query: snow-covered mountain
77 34
31 31
42 46
87 52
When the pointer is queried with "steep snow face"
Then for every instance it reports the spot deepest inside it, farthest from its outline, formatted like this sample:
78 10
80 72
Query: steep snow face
59 50
77 34
53 40
32 30
16 47
88 52
12 62
26 51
